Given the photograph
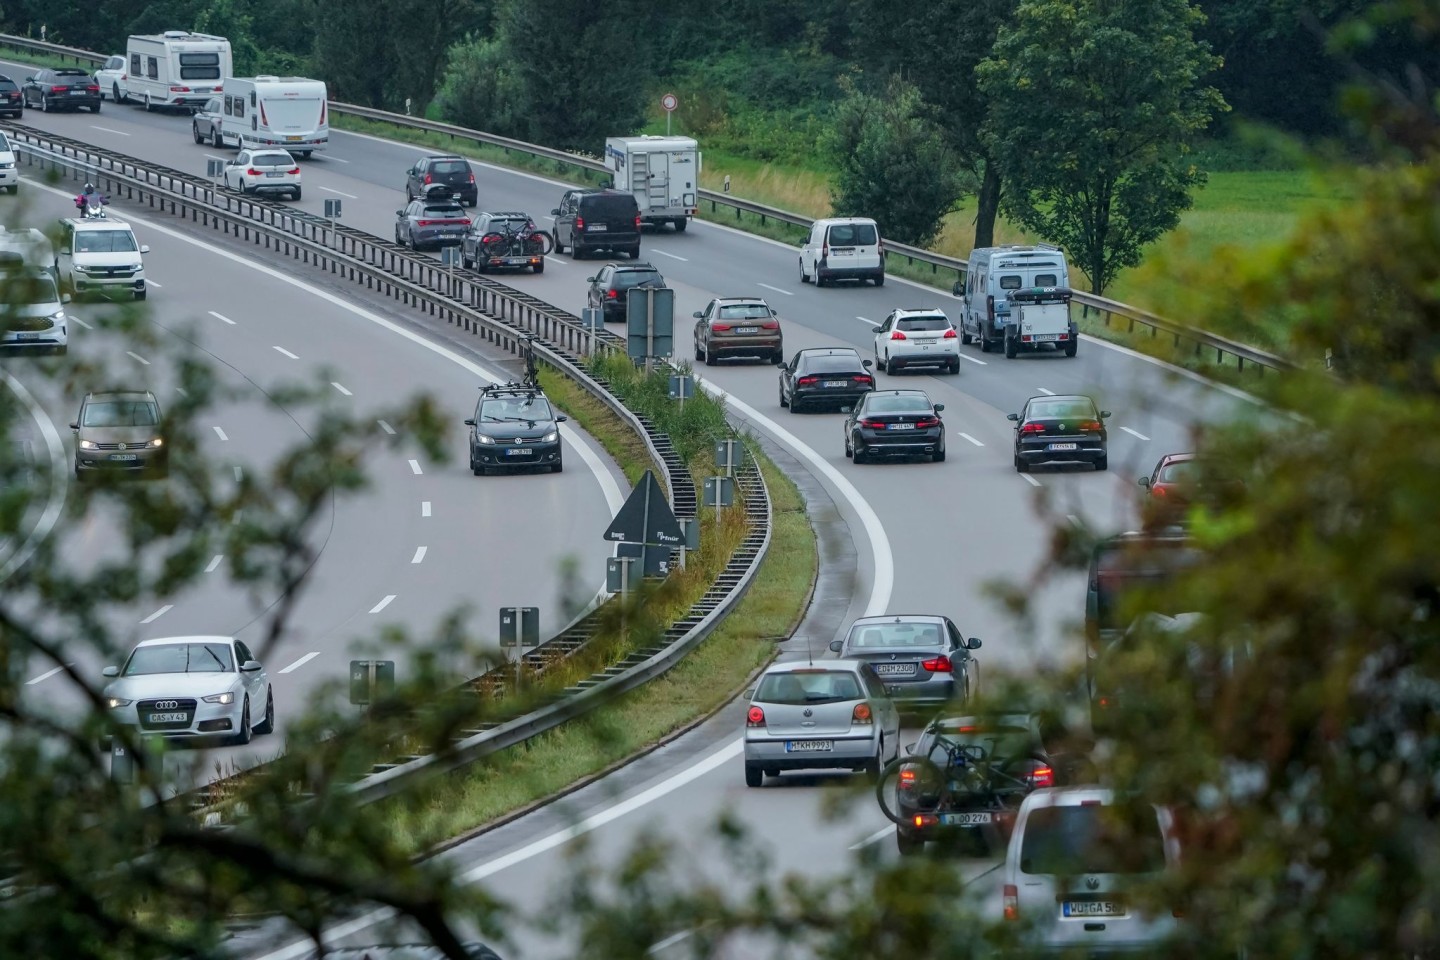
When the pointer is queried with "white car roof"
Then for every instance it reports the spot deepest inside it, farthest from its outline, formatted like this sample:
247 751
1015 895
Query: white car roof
921 312
80 223
163 641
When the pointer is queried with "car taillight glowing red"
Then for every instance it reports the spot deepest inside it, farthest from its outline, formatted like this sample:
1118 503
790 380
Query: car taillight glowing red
424 223
1011 900
179 89
949 334
861 714
295 172
427 179
472 178
1090 426
613 294
907 779
94 88
579 223
897 335
1041 776
863 378
940 664
806 381
637 221
58 89
770 325
1033 428
252 172
755 717
720 327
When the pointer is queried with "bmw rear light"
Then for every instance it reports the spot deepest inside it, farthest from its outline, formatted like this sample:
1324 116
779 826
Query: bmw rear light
929 423
1090 426
949 334
755 717
295 172
872 424
897 335
252 172
579 223
1011 900
1033 428
862 714
940 664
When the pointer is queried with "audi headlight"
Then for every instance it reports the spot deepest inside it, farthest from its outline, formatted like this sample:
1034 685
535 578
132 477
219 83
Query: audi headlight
157 442
551 437
483 438
226 697
87 445
113 702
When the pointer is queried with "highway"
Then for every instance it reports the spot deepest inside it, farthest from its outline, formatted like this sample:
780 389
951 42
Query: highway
929 537
425 539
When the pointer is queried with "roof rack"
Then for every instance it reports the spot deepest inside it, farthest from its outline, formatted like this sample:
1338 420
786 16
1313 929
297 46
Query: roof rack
512 388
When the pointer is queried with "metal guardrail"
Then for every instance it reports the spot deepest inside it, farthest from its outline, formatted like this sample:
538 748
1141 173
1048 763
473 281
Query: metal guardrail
1109 309
27 45
507 317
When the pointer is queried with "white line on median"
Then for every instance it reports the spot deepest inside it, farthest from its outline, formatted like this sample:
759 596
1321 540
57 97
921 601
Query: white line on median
286 353
383 603
672 256
221 316
419 554
424 508
788 293
1135 433
341 389
301 662
973 360
137 356
874 837
386 427
1029 479
972 439
214 563
159 613
340 193
415 467
220 433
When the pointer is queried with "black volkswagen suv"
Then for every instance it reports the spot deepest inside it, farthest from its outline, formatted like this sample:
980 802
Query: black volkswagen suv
588 221
514 426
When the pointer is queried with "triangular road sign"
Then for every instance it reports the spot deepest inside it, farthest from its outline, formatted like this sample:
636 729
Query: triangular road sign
646 517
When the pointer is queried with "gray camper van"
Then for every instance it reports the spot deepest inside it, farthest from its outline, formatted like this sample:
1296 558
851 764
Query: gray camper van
993 273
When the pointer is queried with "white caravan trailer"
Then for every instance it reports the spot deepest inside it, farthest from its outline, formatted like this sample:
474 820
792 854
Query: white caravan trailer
662 172
174 68
291 113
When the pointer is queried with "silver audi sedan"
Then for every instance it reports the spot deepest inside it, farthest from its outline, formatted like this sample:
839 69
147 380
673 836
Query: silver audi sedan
186 687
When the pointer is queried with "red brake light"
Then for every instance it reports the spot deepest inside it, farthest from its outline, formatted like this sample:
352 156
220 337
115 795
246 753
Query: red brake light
871 423
93 88
806 381
897 335
907 778
720 327
927 424
825 250
861 714
613 294
863 378
58 89
179 89
637 221
472 178
1090 426
1033 428
755 717
1042 776
579 223
252 172
424 223
771 325
949 334
1158 490
940 664
295 172
428 178
1011 899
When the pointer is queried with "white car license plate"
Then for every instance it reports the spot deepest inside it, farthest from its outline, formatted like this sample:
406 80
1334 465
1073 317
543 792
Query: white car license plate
274 173
894 669
516 261
27 336
747 329
902 426
1046 337
1062 446
169 718
964 819
122 456
597 228
837 383
808 746
1094 908
77 93
842 251
518 452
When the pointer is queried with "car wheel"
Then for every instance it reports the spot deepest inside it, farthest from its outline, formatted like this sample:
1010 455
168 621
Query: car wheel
908 844
268 724
754 776
879 363
559 247
399 240
880 280
860 455
709 358
540 267
803 277
984 344
1072 346
475 467
783 401
819 278
872 766
848 452
1020 465
195 132
297 193
217 141
95 108
955 366
44 104
634 252
699 352
1103 463
938 456
140 294
115 93
778 359
243 737
1010 348
965 338
149 107
576 253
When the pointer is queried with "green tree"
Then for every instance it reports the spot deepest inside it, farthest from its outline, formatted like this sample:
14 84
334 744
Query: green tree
892 164
1094 107
480 90
380 54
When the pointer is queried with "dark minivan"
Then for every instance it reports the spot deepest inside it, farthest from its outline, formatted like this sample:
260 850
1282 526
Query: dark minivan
588 221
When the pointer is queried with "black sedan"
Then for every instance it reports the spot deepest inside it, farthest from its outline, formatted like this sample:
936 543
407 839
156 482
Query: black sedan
1061 429
895 423
828 376
64 88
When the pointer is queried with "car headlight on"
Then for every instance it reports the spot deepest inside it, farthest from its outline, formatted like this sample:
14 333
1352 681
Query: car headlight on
58 315
113 702
87 444
483 438
157 442
551 437
226 697
137 266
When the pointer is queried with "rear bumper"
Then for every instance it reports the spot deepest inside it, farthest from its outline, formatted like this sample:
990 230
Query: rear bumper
902 443
745 346
844 398
605 241
846 753
1086 451
826 270
942 354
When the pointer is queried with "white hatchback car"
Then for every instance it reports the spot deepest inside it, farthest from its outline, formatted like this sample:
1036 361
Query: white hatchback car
917 338
188 687
263 171
1075 862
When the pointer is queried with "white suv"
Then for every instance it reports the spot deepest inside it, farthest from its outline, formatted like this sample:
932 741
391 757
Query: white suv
31 313
917 338
264 171
9 172
1077 867
100 256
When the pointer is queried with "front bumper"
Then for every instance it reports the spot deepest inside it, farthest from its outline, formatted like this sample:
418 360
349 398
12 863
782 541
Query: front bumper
1086 451
135 460
206 719
846 753
9 175
56 336
103 279
516 454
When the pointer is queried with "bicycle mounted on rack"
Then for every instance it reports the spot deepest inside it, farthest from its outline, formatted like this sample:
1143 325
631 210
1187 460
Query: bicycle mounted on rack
500 240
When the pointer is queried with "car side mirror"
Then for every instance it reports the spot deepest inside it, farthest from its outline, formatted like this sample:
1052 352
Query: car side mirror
110 672
1012 416
697 315
144 248
939 407
973 643
867 364
399 213
469 422
555 212
837 645
959 288
562 419
250 666
75 426
64 298
589 279
1104 414
1144 481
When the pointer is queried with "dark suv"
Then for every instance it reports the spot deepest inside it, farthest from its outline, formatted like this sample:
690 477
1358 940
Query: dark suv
10 98
608 287
514 426
501 240
588 221
454 172
65 88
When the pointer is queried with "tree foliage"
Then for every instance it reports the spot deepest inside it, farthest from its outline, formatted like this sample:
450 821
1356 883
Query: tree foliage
892 164
1094 106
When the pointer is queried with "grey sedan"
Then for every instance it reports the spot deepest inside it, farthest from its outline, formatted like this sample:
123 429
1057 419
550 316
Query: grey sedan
922 659
435 221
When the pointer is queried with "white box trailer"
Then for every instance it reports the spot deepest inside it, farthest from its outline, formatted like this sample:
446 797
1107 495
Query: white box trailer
287 112
662 172
175 68
1040 316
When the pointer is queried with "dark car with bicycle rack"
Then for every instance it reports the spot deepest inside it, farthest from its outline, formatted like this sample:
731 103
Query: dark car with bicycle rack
514 425
965 778
505 241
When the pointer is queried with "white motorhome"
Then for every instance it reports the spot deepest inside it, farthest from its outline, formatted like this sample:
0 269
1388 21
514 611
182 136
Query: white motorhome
174 68
287 112
1040 317
662 172
992 274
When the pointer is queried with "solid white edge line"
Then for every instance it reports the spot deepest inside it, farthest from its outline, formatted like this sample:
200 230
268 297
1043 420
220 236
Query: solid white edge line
300 663
159 613
972 439
43 677
1029 479
415 467
215 562
424 508
82 323
788 293
1135 433
419 554
383 603
59 478
878 835
341 389
982 363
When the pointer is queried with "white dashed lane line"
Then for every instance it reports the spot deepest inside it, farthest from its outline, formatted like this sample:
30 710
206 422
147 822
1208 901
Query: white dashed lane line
220 433
383 603
135 356
301 662
767 286
1135 433
419 554
43 677
118 133
972 439
424 508
386 427
875 837
159 613
340 193
873 323
415 467
671 256
1048 393
239 473
221 316
82 323
973 360
1029 479
214 563
287 353
341 389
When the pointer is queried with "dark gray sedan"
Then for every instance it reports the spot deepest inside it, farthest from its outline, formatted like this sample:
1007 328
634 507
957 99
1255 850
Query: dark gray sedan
435 221
922 659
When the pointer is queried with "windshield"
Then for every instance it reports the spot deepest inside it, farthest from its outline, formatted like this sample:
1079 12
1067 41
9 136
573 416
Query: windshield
871 636
511 409
1091 839
810 686
901 404
4 143
1181 471
120 413
15 291
936 322
745 311
635 278
104 241
180 658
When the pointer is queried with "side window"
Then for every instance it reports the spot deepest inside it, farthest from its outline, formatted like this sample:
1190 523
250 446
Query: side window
242 653
152 68
885 327
135 64
1045 280
229 105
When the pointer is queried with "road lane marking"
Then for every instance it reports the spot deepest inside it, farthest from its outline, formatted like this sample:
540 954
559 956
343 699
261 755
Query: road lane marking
419 554
286 353
118 133
43 677
1048 393
878 835
1029 479
670 941
220 433
383 603
341 389
239 473
873 323
82 323
137 356
1075 521
340 193
214 563
415 467
337 159
973 360
182 391
301 662
972 439
424 508
159 613
1135 433
386 427
221 316
673 257
152 283
788 293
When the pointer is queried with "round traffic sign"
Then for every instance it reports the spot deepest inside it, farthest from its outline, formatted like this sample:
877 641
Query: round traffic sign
669 102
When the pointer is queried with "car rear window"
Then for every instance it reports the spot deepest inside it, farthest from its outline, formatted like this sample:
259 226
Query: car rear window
876 635
8 85
1181 471
935 322
998 742
832 363
1011 281
744 311
817 686
900 404
1061 410
1072 840
444 210
619 207
272 160
450 166
71 72
1046 280
852 235
635 278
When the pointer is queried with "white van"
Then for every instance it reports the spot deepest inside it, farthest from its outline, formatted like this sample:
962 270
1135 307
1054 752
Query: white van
1076 882
992 273
174 69
843 248
267 112
100 256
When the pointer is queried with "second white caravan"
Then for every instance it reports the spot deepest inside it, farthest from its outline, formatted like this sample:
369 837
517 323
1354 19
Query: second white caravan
287 112
173 69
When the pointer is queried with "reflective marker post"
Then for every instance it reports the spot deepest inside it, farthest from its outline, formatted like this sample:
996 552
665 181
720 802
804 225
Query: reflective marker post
332 212
214 169
450 256
122 764
681 388
519 628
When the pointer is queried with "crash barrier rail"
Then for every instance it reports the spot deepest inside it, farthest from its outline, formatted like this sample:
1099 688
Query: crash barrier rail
508 318
1203 342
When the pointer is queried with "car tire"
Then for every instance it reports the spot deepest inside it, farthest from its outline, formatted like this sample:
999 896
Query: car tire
539 267
149 107
778 358
95 108
297 193
634 252
938 456
965 338
1020 465
754 776
880 280
955 366
908 844
576 253
681 225
783 401
803 277
559 247
268 724
699 353
1103 463
44 104
879 364
217 141
141 294
475 467
1010 348
399 240
859 455
819 278
246 733
871 770
984 344
195 132
1072 346
709 358
849 454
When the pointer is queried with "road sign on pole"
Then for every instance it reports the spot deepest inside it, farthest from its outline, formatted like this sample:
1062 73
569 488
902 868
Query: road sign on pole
371 679
682 388
729 455
668 103
646 522
650 322
519 627
719 491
